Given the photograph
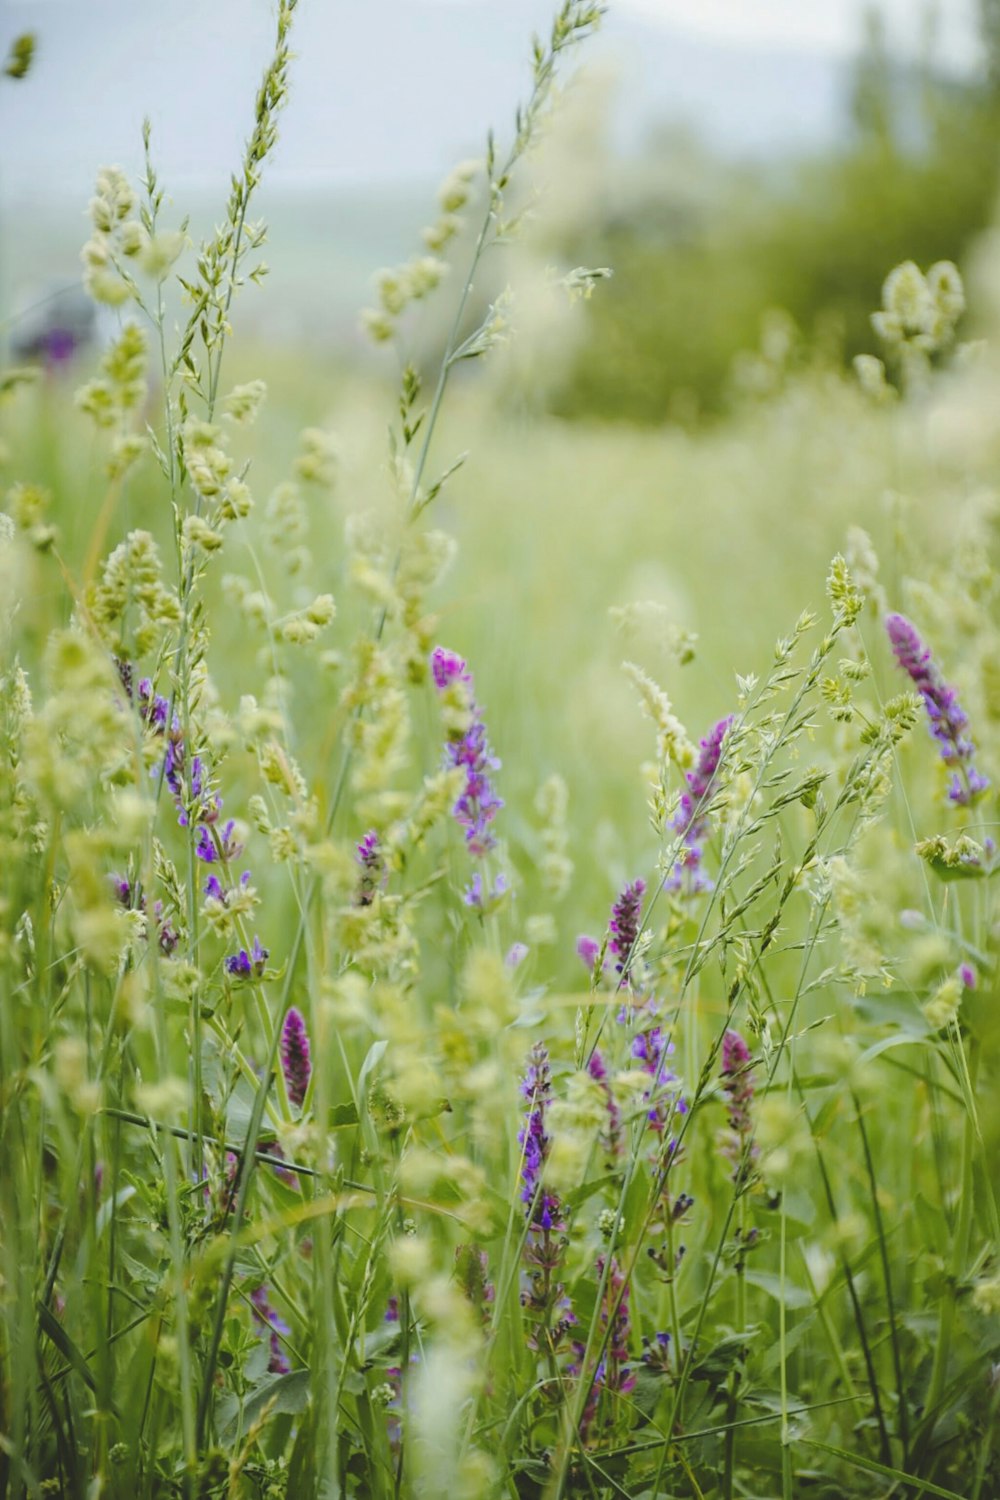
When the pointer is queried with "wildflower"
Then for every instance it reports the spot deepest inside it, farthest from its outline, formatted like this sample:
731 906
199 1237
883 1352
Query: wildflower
624 926
479 899
689 821
588 949
155 708
738 1084
295 1062
613 1373
244 965
544 1300
656 1351
617 1376
467 749
266 1320
948 719
369 856
738 1080
543 1208
651 1048
222 846
169 937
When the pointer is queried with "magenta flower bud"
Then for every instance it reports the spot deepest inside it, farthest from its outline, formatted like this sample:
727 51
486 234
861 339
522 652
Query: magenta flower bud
295 1062
588 949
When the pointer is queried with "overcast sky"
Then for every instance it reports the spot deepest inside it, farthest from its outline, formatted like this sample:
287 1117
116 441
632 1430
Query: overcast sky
386 91
826 25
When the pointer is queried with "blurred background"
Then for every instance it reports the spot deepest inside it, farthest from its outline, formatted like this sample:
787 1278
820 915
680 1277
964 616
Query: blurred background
725 157
687 447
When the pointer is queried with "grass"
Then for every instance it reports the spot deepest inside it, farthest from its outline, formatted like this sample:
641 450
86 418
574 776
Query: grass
712 1213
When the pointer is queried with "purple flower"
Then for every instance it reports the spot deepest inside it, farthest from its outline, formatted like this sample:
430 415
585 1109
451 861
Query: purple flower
613 1373
469 751
656 1351
737 1075
169 936
651 1048
516 954
738 1084
689 820
547 1309
480 900
588 949
124 670
154 708
543 1208
122 890
448 667
372 861
947 718
266 1320
624 926
244 965
967 974
295 1062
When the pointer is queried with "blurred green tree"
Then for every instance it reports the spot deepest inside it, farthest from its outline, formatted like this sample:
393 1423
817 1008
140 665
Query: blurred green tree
915 178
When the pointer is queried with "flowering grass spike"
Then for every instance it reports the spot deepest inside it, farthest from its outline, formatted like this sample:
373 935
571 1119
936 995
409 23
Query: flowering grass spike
948 720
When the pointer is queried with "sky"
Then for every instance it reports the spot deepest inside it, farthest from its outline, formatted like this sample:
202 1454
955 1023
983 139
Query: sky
392 91
831 26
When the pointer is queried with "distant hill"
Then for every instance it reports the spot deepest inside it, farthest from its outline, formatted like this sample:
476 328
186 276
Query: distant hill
386 95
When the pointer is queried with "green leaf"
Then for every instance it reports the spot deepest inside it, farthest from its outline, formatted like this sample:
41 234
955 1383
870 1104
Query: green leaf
70 1351
715 1366
288 1393
786 1292
342 1115
910 1480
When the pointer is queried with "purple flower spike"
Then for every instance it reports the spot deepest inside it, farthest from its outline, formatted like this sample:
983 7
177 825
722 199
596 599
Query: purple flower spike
651 1048
738 1084
372 861
624 926
947 719
689 820
469 751
543 1208
295 1062
267 1321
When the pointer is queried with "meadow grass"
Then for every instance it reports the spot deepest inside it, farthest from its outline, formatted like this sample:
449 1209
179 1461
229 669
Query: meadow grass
434 1060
